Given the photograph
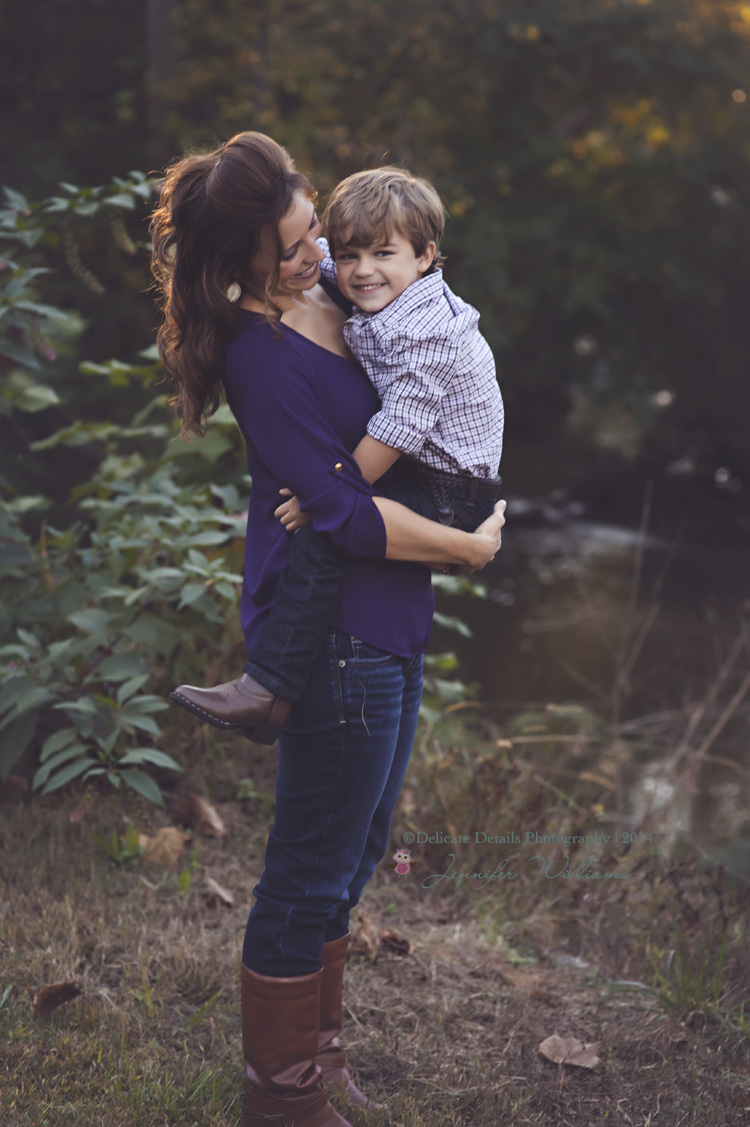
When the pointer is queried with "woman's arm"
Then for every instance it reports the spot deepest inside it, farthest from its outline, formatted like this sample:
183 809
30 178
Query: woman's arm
412 537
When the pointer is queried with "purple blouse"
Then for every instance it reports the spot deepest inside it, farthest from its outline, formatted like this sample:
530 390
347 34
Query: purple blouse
302 409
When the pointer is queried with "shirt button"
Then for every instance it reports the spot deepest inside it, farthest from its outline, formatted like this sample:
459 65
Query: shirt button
342 664
339 466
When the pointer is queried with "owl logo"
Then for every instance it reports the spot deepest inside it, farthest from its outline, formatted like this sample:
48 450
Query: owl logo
402 862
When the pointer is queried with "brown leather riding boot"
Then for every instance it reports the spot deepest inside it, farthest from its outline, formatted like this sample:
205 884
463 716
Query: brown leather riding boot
330 1055
241 705
280 1025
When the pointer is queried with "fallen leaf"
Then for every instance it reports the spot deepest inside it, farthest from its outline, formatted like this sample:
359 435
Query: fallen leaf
165 847
364 940
395 943
545 997
216 895
569 1050
52 996
201 815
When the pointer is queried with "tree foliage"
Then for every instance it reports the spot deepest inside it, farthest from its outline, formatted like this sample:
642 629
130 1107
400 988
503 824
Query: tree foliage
592 154
91 591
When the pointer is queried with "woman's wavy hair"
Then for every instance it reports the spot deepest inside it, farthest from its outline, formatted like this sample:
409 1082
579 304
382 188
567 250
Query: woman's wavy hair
216 211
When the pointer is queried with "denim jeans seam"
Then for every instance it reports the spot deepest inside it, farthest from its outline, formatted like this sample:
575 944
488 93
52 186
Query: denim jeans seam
324 835
338 687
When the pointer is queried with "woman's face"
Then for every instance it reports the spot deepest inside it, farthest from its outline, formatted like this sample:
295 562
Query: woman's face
300 254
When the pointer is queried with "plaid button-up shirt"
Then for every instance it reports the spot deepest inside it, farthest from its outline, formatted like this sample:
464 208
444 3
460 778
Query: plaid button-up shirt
435 375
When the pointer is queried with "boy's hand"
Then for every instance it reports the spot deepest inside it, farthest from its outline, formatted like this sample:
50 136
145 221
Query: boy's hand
289 513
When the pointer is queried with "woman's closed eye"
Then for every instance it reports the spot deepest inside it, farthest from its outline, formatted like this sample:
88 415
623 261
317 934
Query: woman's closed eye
288 255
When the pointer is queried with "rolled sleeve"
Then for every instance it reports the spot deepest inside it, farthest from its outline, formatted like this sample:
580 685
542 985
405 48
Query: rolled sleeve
389 431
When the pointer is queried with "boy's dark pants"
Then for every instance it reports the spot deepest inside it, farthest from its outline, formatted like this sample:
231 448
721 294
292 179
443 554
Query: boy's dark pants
309 590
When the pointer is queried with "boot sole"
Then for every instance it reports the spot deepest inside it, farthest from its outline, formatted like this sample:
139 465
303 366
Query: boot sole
259 734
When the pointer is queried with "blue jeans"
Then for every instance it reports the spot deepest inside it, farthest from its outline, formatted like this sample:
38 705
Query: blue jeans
342 761
309 589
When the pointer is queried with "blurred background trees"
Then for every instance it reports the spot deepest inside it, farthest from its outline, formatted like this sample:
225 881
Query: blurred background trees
592 155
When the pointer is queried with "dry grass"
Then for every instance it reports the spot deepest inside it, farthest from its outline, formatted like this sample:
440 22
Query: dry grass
448 1034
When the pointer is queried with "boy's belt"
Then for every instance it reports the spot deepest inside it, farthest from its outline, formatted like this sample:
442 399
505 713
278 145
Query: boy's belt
462 486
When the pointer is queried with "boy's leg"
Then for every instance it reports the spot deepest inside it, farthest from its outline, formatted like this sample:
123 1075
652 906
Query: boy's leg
451 506
302 611
259 702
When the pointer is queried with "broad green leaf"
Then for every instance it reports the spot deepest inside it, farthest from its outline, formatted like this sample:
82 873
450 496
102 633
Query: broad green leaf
92 620
57 741
191 592
154 634
149 755
130 719
119 667
143 784
27 503
147 702
121 199
209 537
28 638
83 704
72 771
449 622
54 761
15 199
128 688
227 591
31 700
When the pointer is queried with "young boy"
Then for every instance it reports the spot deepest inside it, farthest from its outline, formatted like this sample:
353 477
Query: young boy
439 429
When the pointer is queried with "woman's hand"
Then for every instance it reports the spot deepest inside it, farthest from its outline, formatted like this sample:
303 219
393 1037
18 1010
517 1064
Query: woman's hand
290 514
488 536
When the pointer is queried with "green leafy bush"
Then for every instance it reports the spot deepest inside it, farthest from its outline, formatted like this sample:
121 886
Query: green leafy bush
129 568
93 606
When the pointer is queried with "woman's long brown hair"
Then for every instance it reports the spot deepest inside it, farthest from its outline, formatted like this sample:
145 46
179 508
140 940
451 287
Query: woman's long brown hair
216 211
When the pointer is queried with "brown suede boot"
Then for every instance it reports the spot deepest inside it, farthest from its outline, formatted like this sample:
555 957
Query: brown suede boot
241 705
280 1025
330 1055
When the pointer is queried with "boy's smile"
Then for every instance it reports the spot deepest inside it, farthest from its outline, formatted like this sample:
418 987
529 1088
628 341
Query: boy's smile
373 276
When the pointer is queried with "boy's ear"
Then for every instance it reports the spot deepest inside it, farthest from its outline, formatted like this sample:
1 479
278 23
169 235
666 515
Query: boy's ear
425 260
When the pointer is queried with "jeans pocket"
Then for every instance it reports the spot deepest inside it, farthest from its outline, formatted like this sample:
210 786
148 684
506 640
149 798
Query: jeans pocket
365 654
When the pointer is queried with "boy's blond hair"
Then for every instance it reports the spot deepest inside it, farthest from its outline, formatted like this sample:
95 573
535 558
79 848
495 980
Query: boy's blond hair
370 206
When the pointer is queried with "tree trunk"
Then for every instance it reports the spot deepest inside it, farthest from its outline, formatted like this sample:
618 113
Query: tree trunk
162 58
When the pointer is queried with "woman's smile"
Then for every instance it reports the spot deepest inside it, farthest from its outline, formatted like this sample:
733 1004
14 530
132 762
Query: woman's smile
309 272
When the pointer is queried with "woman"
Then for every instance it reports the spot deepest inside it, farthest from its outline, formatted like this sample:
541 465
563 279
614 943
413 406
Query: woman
239 223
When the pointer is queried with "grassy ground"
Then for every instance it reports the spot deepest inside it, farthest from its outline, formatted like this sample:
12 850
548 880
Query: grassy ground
652 967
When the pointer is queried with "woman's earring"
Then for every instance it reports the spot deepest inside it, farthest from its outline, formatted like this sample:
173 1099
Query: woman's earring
234 292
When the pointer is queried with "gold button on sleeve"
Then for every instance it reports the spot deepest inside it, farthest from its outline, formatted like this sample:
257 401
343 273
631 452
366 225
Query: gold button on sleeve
339 466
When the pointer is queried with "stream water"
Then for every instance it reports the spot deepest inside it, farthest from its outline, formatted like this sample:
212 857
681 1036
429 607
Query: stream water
564 612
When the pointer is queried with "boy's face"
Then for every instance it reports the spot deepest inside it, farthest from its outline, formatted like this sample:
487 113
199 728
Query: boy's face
372 277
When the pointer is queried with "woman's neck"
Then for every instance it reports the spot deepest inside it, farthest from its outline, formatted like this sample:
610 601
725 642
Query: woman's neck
284 302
